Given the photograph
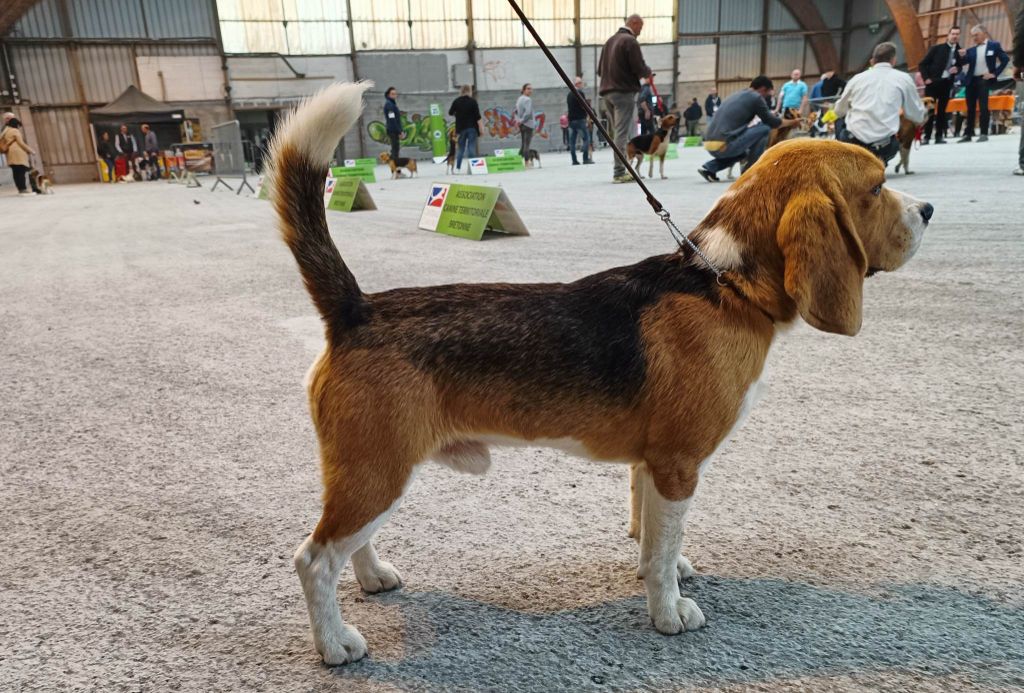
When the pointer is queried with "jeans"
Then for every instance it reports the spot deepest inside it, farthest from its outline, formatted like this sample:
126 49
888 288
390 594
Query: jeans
977 94
467 146
579 128
525 137
621 108
691 128
750 146
1020 152
938 90
395 144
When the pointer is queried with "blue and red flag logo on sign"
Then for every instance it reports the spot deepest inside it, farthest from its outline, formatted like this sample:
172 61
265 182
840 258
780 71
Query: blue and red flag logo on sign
437 195
478 163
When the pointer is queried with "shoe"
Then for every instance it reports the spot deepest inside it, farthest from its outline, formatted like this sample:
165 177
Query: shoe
965 139
983 138
575 163
624 178
707 175
940 141
1019 171
587 163
924 143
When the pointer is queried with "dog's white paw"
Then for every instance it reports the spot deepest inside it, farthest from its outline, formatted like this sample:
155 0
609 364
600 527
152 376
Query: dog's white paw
677 616
684 569
342 648
381 578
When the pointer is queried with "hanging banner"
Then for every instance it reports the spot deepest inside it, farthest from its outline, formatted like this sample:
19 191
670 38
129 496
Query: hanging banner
349 194
467 211
438 132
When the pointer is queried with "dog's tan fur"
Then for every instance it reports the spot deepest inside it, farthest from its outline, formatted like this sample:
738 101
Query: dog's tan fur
405 375
396 166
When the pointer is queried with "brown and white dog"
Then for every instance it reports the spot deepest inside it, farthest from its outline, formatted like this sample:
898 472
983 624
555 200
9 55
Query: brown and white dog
655 364
654 145
397 164
907 135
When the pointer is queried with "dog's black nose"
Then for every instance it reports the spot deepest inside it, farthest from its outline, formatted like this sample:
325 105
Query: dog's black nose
926 211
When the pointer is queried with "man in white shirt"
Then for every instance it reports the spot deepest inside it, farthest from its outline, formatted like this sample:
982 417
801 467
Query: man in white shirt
872 103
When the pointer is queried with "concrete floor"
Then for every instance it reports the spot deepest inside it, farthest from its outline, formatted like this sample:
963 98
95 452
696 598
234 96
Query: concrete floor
158 466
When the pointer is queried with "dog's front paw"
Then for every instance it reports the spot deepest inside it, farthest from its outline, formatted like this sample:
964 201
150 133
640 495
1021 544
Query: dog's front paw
382 578
677 616
342 648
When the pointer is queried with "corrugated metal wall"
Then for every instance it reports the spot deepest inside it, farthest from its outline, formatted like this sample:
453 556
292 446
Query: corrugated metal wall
63 136
698 17
168 19
107 19
44 74
41 21
106 71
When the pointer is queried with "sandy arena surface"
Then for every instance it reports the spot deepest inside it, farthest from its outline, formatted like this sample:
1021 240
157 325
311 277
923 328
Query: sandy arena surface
158 466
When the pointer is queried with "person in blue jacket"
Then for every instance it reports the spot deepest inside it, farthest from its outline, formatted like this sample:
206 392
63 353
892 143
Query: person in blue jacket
393 120
981 66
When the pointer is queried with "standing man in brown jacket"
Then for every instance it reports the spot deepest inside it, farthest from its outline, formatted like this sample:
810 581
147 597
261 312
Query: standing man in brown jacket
620 67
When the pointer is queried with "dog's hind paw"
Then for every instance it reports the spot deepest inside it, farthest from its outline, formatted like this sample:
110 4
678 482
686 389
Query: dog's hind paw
380 578
684 569
678 616
342 648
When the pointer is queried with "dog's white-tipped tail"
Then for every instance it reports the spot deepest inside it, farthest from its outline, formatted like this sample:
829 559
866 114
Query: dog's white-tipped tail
299 155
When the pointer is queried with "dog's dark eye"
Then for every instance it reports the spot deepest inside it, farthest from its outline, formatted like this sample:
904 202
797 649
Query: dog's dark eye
877 190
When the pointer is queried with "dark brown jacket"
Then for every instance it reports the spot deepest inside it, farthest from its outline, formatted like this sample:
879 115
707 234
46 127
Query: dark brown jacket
621 64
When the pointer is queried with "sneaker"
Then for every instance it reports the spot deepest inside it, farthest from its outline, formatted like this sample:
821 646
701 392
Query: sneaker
575 163
924 143
587 163
707 175
983 138
967 138
940 141
1019 171
624 178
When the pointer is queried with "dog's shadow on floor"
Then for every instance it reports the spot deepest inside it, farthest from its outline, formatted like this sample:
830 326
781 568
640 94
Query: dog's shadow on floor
758 631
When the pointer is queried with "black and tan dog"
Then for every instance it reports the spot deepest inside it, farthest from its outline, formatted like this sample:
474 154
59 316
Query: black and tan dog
453 146
532 157
396 165
654 145
654 364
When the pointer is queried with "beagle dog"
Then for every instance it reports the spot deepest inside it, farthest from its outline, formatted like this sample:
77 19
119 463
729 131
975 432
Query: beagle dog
397 164
908 134
453 145
654 145
654 364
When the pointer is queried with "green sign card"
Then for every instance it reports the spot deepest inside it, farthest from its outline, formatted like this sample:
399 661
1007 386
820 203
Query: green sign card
363 168
495 164
467 211
672 152
349 195
694 141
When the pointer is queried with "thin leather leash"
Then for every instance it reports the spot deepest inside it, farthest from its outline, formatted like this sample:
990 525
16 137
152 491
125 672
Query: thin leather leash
680 238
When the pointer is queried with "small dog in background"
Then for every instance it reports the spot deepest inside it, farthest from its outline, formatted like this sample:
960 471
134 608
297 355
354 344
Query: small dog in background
453 145
396 165
532 157
41 182
908 134
654 145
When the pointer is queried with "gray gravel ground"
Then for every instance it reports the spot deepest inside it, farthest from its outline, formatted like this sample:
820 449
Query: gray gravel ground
862 532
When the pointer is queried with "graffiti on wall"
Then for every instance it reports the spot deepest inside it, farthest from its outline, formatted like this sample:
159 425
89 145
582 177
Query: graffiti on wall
415 131
416 128
498 124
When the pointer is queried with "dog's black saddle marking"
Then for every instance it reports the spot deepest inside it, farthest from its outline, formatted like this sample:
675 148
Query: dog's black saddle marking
402 161
644 142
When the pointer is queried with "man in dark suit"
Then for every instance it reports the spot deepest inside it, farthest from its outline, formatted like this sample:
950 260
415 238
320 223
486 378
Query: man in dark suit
982 64
938 70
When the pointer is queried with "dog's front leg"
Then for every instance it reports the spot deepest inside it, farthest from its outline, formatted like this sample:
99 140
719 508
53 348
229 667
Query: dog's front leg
661 539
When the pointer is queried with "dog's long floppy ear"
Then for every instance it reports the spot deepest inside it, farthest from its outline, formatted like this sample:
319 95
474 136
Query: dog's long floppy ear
824 260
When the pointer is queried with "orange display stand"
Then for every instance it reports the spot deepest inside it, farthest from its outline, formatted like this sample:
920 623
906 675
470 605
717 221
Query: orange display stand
1003 102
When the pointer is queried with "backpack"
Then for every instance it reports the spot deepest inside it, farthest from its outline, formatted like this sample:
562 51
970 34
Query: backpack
4 144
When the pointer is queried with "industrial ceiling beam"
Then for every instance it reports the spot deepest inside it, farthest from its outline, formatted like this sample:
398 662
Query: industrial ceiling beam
11 11
810 19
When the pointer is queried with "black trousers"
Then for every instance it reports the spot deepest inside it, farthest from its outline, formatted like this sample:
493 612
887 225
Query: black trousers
938 90
20 173
884 152
977 96
395 144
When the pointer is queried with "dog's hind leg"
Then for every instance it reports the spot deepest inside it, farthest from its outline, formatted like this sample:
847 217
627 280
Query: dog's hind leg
661 539
636 500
